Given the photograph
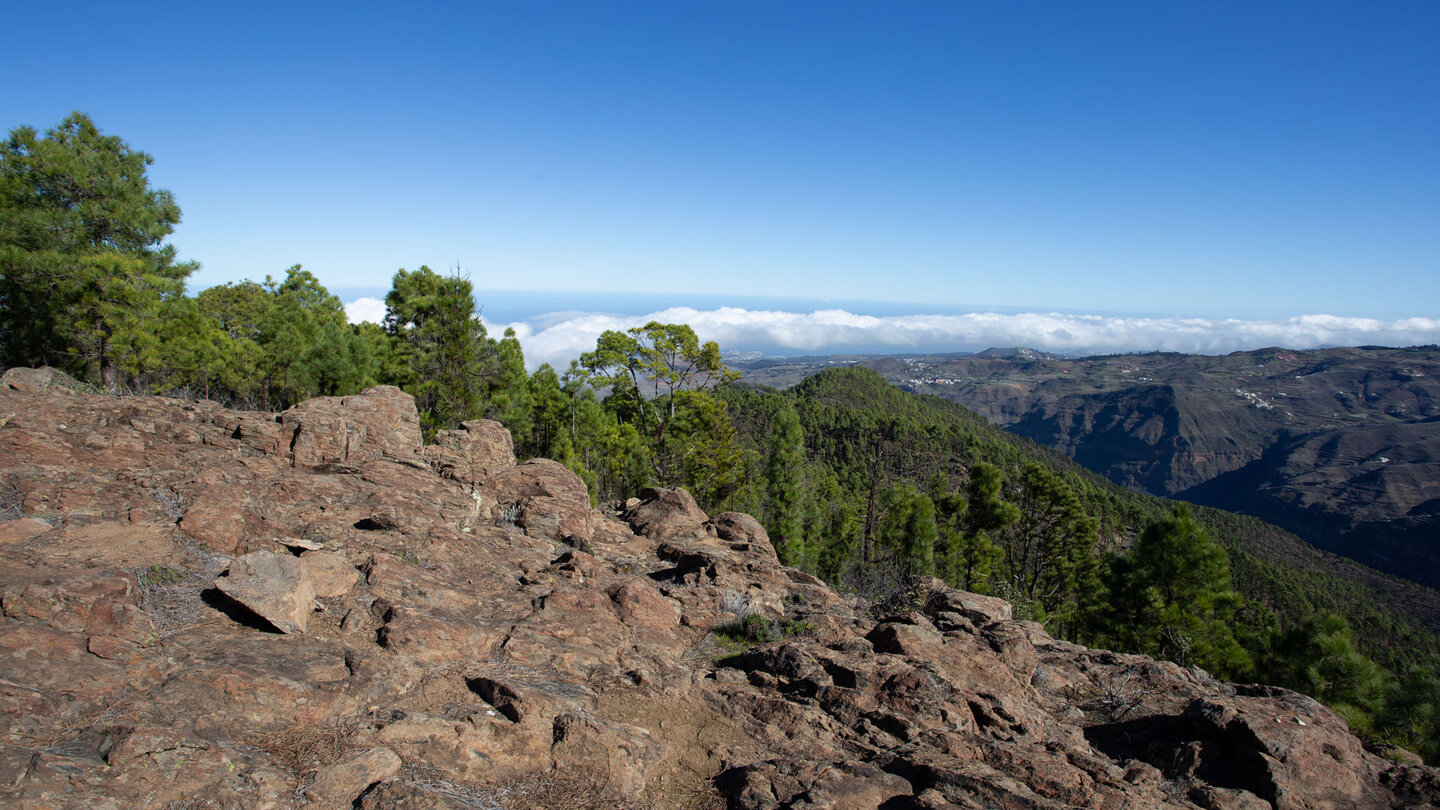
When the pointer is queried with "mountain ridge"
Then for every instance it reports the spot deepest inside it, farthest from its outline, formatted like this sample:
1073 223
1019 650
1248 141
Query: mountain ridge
216 608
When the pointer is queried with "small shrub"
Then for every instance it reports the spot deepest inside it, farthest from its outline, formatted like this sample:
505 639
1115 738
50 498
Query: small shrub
888 585
157 575
750 629
1118 698
797 627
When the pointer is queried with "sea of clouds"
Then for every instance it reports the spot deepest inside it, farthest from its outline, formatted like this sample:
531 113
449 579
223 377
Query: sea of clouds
557 338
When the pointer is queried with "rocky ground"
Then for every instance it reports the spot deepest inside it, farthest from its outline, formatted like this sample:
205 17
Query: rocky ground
212 608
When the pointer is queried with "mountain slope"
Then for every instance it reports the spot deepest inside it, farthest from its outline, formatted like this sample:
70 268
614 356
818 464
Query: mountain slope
1294 437
853 416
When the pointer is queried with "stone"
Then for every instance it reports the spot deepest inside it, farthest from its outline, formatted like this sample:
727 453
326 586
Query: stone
380 423
666 514
276 587
543 497
744 532
330 574
339 785
466 623
18 531
33 380
479 449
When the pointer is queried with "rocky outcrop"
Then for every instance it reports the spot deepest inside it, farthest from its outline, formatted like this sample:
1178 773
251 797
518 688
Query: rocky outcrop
462 631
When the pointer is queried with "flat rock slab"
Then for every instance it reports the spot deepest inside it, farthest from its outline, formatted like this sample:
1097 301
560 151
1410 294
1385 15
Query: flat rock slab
338 785
276 586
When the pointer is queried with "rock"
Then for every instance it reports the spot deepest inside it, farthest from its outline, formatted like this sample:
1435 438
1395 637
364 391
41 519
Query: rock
18 531
744 533
979 610
472 454
330 573
382 422
478 620
666 514
905 639
339 785
32 380
543 497
276 587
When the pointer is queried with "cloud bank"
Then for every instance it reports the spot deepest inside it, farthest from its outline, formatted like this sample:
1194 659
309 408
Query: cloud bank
557 338
365 309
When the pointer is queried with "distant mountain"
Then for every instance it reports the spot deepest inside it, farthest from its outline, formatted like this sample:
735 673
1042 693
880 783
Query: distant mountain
1341 446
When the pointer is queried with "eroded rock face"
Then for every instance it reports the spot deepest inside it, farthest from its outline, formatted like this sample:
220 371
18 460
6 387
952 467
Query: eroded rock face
664 514
472 627
380 423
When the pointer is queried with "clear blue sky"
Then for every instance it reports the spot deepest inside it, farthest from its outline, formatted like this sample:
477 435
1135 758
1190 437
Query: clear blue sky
1168 157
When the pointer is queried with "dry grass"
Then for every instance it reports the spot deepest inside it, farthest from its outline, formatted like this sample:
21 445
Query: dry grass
12 501
170 596
535 792
171 503
1114 701
120 711
305 749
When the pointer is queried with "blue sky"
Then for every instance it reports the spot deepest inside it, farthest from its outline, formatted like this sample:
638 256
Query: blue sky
1230 160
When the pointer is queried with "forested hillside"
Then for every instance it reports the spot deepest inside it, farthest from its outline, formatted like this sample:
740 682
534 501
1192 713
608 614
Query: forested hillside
1339 445
859 482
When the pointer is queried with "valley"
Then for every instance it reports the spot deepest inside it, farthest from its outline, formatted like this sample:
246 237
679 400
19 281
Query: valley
1340 446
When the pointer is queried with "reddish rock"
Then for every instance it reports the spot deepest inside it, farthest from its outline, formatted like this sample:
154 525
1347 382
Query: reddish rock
276 587
476 451
543 497
744 532
339 785
330 574
35 380
18 531
666 514
380 423
522 638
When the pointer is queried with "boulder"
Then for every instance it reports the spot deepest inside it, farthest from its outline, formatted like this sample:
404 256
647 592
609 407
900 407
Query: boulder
744 533
380 423
330 573
666 514
32 380
543 497
479 449
979 610
276 587
339 785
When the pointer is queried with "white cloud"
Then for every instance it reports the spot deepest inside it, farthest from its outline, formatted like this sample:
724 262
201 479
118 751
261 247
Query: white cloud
365 309
557 338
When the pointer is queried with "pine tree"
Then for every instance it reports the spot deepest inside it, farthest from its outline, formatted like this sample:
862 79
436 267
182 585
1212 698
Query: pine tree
453 362
785 487
1175 599
511 401
83 273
